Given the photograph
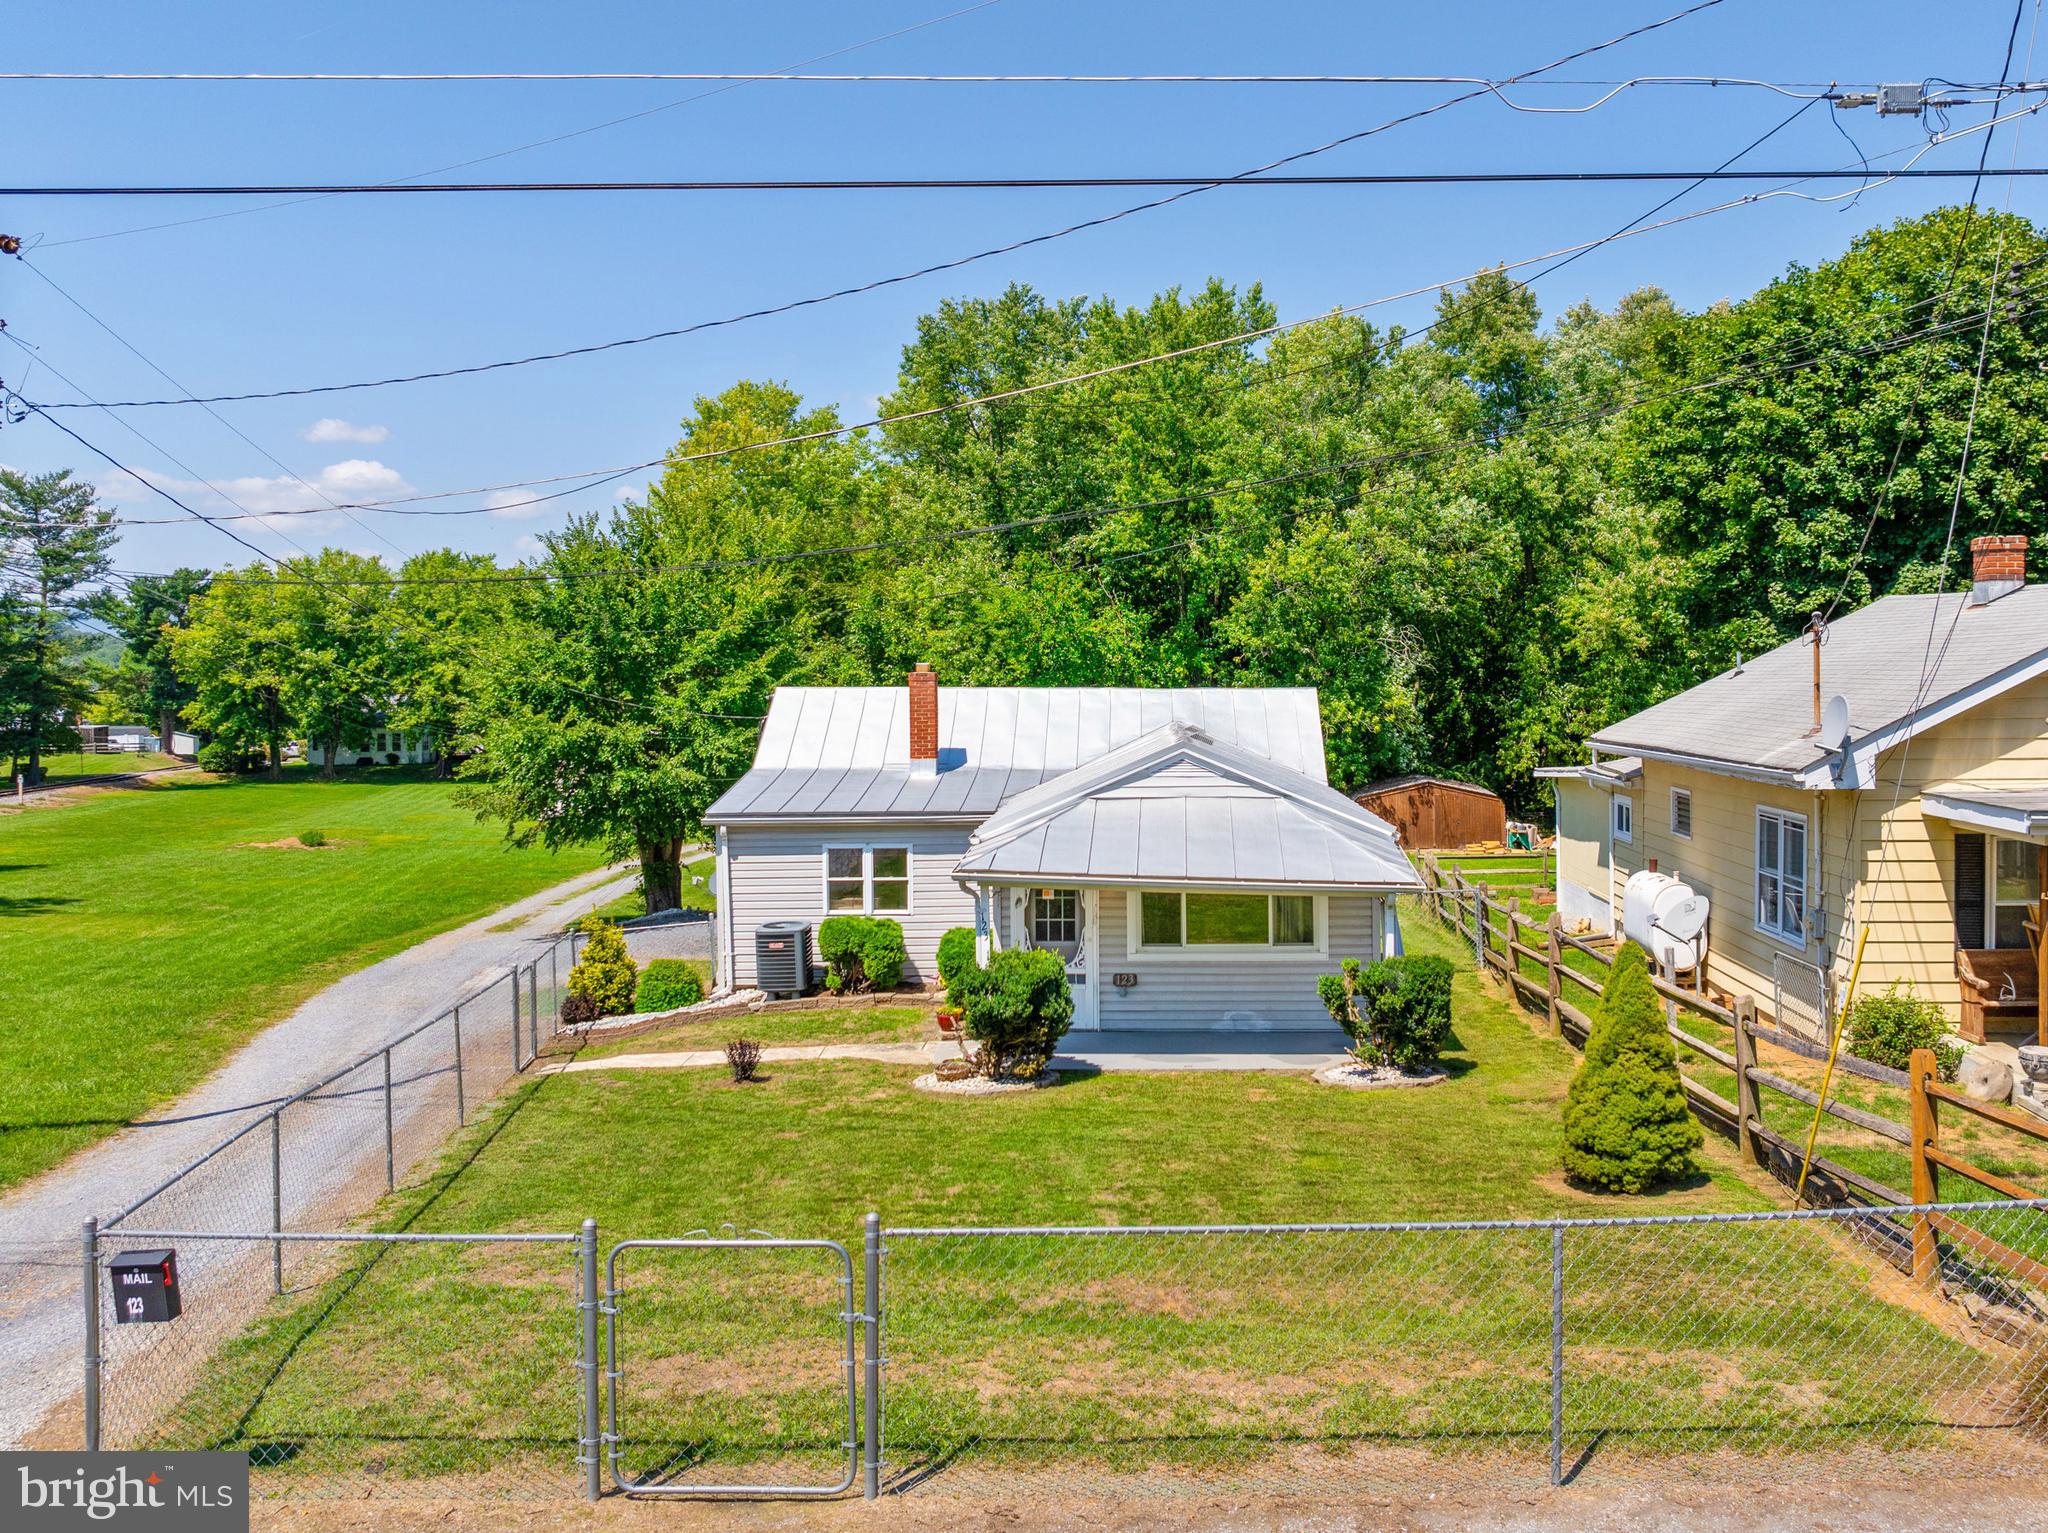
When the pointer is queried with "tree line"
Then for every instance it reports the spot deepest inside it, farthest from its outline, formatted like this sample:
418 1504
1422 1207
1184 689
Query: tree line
1480 540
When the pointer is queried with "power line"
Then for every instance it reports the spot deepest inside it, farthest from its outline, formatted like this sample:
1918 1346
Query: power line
1380 459
1010 247
557 138
1197 182
790 77
702 325
136 351
595 348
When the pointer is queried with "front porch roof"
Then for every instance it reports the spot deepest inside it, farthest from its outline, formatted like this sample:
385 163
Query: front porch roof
1179 808
2015 813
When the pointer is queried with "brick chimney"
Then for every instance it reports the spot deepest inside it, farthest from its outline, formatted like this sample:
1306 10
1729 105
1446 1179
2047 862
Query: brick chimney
924 719
1998 567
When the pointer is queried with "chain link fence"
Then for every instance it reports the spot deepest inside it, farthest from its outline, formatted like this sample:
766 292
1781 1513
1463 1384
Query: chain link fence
1313 1359
1349 1358
393 1365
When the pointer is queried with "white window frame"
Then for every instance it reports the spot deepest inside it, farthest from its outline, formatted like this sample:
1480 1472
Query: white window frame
1684 795
867 851
1214 952
1778 933
1621 807
1991 900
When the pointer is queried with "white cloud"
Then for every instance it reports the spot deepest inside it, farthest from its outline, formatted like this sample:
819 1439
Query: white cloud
351 480
329 429
527 546
515 505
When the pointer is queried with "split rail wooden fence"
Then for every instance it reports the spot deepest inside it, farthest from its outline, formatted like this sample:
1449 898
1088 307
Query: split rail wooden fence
1569 974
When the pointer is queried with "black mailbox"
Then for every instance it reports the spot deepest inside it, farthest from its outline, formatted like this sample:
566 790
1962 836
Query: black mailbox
145 1287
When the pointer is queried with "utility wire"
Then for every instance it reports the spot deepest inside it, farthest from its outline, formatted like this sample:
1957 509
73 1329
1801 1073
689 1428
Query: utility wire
789 77
1195 182
1379 459
1010 247
703 325
541 143
150 362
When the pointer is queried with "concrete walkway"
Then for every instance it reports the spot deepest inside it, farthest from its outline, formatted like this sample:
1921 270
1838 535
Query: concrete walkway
1086 1053
40 1325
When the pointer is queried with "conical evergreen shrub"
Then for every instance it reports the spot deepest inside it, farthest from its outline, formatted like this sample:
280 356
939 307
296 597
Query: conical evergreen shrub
606 975
1626 1125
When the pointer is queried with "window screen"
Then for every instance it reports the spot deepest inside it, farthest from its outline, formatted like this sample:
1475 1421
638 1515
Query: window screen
892 878
843 889
1227 919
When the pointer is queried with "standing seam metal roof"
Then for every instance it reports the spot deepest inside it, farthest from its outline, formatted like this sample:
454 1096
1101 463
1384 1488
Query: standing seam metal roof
836 752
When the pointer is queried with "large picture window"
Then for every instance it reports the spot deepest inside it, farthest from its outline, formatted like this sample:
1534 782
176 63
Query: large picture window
1204 920
1781 875
867 879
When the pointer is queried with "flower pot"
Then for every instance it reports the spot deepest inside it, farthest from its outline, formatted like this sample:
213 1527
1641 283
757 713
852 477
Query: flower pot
949 1022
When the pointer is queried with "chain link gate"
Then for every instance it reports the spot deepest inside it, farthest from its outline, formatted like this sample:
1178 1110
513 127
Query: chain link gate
737 1400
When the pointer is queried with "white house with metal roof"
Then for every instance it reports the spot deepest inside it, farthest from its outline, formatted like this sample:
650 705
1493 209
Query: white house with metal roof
1181 849
1888 772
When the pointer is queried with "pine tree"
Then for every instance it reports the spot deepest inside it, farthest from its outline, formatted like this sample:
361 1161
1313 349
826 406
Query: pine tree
1626 1125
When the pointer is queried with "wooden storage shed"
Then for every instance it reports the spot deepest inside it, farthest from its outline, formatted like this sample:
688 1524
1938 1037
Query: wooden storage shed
1436 813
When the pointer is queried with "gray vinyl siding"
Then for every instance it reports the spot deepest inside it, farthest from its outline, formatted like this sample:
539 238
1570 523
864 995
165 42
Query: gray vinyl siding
777 874
1254 994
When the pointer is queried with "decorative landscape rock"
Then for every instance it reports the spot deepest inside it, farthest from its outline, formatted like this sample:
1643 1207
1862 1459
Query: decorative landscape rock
1984 1077
1363 1077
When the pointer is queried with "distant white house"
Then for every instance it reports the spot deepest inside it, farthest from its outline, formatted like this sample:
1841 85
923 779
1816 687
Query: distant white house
385 747
1180 849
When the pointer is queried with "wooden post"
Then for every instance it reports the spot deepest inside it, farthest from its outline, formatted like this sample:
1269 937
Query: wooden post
1926 1130
1481 944
1748 1101
1553 961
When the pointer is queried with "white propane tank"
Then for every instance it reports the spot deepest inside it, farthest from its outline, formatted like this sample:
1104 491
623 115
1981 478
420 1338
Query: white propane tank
1666 918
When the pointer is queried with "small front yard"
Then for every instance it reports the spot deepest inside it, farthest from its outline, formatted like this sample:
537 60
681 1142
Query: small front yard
1292 1353
838 1024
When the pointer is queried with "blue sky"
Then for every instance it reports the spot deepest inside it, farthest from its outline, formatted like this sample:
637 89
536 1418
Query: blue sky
346 288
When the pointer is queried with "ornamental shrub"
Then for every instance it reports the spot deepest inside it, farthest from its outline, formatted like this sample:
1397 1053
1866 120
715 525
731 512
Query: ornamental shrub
1397 1010
1886 1027
1017 1009
578 1011
1626 1125
862 952
605 975
956 953
222 756
667 983
312 838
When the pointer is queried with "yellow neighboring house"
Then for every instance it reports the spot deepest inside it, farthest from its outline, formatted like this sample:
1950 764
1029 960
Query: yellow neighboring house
1893 775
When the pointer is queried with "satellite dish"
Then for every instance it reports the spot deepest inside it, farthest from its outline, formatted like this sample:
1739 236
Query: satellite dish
1685 920
1834 722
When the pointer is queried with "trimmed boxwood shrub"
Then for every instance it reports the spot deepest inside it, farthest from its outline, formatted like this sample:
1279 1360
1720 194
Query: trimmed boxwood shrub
862 952
1885 1027
1397 1010
605 975
1626 1125
667 983
1017 1009
956 953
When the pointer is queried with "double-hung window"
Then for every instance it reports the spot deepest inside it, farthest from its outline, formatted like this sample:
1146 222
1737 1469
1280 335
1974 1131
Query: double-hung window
1194 920
867 879
1781 875
1624 813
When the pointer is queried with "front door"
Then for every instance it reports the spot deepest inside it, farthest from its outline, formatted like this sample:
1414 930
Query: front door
1063 921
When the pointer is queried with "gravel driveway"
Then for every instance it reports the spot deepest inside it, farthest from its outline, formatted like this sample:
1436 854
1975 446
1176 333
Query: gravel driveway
40 1326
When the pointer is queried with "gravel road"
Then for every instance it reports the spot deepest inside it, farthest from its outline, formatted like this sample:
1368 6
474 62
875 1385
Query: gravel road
40 1325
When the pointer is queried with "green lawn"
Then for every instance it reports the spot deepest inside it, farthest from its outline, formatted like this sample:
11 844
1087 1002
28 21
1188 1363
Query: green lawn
145 934
695 896
839 1024
78 764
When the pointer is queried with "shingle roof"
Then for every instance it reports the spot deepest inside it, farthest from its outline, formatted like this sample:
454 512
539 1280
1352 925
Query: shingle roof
840 751
1762 715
